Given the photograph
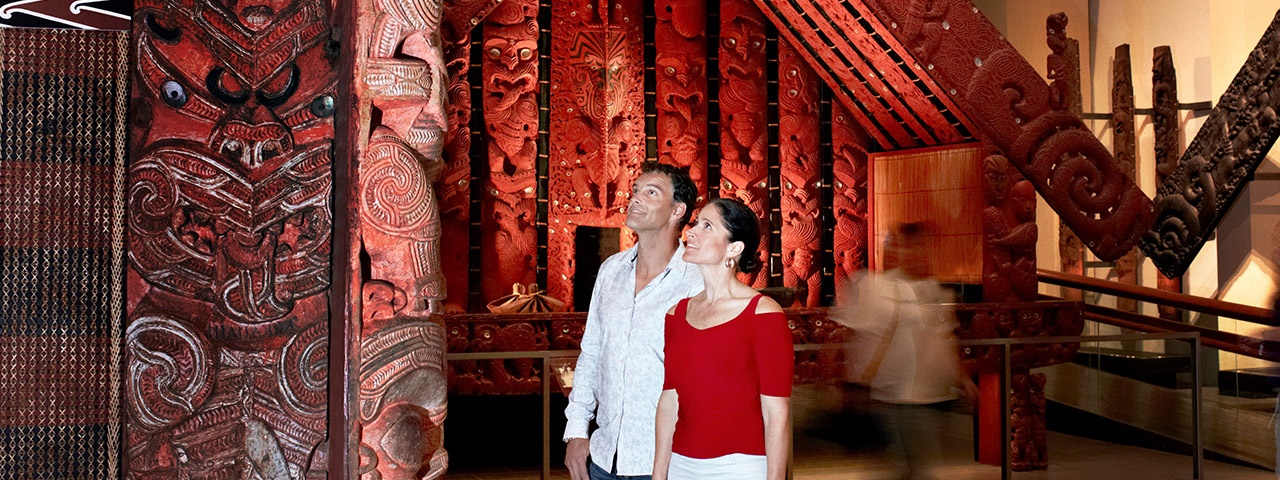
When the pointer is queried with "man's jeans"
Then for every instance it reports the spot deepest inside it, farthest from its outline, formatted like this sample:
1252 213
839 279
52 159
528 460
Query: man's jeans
597 473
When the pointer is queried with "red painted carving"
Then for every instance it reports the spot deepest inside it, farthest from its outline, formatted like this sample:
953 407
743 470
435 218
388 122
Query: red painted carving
1064 91
744 167
1009 246
882 87
801 174
1164 100
1029 438
680 40
597 125
974 66
849 200
509 241
1220 160
402 401
1123 147
229 238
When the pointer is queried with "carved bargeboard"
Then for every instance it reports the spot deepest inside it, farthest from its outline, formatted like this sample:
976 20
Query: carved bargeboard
229 238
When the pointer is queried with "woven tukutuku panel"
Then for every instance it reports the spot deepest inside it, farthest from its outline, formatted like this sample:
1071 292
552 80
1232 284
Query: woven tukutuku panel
63 101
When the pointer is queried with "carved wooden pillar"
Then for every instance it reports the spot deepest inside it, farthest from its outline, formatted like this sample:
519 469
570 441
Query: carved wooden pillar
680 39
1124 150
597 125
509 240
453 188
798 121
1062 79
744 166
230 228
849 196
1164 102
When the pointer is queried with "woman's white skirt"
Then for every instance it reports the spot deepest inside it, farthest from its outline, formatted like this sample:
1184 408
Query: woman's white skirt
734 466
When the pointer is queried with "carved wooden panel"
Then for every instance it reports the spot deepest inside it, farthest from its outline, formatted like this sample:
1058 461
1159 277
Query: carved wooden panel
1228 148
229 235
680 41
453 188
872 73
1164 100
509 240
996 87
744 165
1064 86
1124 148
798 122
597 124
1009 234
849 194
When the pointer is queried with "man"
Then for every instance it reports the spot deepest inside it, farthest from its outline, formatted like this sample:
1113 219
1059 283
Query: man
619 374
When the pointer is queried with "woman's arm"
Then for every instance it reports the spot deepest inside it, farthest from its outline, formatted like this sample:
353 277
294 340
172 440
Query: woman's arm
668 410
777 434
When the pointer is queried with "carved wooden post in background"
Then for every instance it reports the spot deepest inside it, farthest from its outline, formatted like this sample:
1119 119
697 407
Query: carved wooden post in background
1164 103
798 90
230 228
849 195
1125 152
744 166
453 188
680 41
1064 86
597 125
509 239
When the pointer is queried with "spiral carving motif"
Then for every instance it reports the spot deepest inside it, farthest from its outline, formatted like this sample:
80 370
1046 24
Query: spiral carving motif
303 371
396 196
170 367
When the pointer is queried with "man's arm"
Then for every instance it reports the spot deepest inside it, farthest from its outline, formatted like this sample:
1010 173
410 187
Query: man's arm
582 399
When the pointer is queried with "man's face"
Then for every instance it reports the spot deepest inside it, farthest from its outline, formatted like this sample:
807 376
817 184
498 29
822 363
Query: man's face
651 204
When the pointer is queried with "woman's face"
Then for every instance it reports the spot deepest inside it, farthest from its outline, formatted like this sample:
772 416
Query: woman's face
707 241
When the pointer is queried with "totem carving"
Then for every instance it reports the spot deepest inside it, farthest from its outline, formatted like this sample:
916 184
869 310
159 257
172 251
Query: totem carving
849 197
1123 147
401 138
597 124
801 170
1164 118
1226 151
744 165
509 241
1029 437
1010 233
1053 149
1064 92
680 40
230 229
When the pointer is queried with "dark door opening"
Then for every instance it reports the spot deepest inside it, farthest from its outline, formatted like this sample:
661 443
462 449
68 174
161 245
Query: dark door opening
592 246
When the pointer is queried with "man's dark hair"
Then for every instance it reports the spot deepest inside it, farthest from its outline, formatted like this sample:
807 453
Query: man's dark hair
743 226
682 188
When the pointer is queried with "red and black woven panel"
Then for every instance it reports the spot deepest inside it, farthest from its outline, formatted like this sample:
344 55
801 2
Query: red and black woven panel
62 143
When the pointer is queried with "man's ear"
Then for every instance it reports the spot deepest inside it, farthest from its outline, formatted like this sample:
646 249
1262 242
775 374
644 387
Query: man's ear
677 213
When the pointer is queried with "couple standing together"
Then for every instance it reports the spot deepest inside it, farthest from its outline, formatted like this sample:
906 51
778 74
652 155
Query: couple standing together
718 406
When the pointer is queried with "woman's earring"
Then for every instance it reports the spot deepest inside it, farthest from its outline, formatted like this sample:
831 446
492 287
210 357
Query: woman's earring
728 263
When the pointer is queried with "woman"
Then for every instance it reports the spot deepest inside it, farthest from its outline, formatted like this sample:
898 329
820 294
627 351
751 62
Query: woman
723 412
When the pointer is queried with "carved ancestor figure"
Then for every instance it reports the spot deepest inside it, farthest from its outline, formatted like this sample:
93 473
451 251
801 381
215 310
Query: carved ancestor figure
1124 149
509 244
744 167
1063 83
680 39
402 401
801 174
229 239
849 200
1010 232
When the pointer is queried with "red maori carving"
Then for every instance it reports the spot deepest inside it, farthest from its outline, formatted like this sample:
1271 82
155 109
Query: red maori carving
597 133
1164 99
229 238
1010 233
509 242
1064 92
1226 151
1052 149
744 167
801 174
680 39
1123 147
1029 441
849 202
402 403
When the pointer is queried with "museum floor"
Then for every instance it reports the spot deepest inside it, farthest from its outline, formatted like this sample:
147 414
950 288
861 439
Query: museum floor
820 456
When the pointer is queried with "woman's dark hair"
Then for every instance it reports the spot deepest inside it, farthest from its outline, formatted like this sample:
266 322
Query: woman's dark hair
682 188
743 226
